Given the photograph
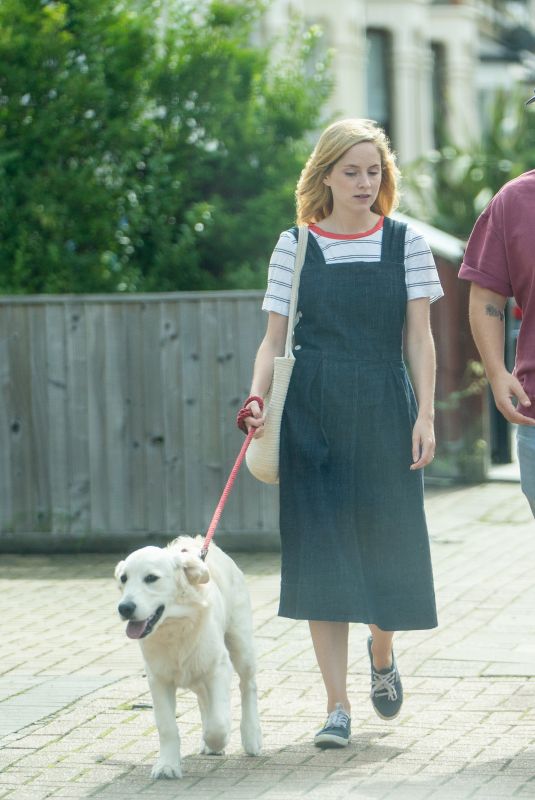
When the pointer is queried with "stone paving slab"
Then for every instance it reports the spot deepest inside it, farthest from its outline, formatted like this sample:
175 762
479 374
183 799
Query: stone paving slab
26 704
75 710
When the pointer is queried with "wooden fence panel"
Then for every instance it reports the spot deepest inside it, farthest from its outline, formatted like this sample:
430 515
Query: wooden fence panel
77 418
23 443
228 377
135 417
212 478
173 431
152 382
117 422
98 452
6 477
192 417
51 339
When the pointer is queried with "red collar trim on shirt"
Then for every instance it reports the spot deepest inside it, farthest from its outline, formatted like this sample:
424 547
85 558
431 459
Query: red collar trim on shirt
330 235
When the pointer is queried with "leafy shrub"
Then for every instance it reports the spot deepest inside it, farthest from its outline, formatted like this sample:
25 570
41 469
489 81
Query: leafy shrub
450 187
143 153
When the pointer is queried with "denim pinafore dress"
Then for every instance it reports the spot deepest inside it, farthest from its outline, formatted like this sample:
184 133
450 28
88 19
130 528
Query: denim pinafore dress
354 541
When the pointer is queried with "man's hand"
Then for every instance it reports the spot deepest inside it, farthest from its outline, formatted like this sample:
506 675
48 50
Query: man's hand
505 388
488 329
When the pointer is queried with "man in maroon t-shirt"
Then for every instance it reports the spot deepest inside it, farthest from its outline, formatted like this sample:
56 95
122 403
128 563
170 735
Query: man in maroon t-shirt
500 262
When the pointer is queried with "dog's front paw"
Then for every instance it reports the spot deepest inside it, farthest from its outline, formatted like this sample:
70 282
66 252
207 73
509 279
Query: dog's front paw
163 769
252 740
207 751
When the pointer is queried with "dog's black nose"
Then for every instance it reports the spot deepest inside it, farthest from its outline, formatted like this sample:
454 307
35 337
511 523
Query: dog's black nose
126 609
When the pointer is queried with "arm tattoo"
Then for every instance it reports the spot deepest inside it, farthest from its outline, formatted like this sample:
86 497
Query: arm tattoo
492 311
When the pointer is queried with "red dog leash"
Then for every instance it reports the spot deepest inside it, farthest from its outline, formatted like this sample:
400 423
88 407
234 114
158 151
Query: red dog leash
226 491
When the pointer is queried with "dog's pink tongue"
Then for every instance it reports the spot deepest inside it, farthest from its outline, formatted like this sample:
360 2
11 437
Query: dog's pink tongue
134 630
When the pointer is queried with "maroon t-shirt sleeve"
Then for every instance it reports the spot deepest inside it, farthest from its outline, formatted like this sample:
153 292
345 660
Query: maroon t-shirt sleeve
485 260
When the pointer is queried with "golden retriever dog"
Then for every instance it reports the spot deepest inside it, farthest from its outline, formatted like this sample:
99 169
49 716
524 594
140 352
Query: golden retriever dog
192 619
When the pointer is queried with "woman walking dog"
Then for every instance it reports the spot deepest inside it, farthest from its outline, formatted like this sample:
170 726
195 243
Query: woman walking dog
353 440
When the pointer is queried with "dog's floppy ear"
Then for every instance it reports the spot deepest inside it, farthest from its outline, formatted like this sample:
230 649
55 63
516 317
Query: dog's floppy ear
195 568
119 569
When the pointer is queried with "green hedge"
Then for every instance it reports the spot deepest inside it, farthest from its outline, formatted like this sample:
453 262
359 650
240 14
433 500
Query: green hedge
143 153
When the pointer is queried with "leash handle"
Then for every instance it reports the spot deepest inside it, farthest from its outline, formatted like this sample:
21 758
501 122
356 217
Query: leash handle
226 491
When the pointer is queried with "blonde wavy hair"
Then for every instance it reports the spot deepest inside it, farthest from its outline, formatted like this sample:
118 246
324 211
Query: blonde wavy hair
314 199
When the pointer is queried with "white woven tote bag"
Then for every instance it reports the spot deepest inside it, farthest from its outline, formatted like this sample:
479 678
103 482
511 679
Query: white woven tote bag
262 455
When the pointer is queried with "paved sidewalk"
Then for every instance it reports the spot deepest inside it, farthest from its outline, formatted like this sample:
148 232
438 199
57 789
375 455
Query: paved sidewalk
75 716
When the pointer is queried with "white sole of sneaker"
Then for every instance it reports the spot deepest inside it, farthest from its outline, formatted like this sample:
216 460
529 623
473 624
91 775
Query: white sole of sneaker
382 716
329 740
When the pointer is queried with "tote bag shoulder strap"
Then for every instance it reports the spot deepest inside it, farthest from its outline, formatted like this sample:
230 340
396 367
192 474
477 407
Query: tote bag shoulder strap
302 241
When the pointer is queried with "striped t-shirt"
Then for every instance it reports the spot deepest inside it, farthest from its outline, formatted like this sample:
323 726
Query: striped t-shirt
421 274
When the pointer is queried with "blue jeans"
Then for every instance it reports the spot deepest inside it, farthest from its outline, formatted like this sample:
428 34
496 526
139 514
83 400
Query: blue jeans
526 460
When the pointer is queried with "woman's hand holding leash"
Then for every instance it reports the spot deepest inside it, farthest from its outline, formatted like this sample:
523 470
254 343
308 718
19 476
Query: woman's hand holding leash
251 415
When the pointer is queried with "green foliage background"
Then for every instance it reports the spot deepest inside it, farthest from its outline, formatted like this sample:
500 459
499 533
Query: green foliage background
450 187
142 156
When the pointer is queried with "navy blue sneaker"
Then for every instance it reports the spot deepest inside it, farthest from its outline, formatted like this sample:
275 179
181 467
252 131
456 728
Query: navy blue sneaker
337 730
387 691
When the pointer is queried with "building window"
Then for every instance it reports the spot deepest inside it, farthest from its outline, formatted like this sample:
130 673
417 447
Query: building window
379 78
438 79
